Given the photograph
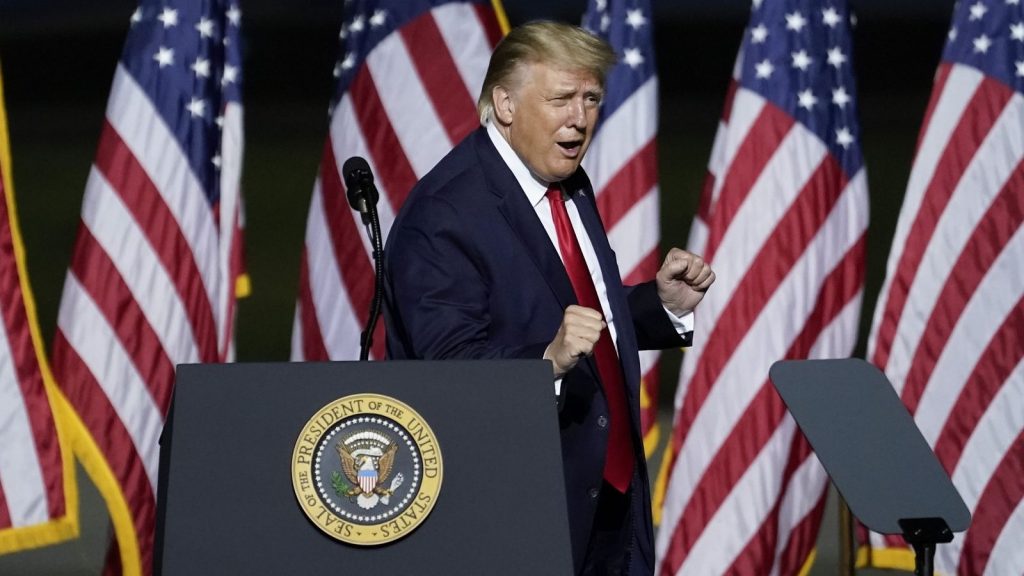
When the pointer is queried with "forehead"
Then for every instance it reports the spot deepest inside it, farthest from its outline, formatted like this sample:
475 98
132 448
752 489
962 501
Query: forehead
547 76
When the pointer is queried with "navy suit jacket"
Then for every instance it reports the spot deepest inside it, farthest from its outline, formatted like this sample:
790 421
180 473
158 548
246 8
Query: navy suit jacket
472 274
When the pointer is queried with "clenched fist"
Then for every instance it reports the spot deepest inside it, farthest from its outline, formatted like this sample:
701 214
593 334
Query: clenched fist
682 281
581 327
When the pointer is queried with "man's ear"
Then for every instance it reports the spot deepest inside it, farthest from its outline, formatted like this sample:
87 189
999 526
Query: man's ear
504 106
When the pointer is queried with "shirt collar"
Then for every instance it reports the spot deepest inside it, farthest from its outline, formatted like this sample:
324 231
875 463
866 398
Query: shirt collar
534 188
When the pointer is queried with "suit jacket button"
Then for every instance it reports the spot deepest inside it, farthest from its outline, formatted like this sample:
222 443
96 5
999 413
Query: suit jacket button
602 421
594 492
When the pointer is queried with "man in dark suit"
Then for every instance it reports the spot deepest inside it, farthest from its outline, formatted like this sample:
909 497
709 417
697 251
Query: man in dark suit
499 252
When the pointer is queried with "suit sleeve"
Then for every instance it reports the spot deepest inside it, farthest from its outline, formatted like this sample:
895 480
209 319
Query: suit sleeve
654 331
439 291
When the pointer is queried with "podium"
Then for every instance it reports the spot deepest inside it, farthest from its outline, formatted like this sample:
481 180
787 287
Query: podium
255 458
876 456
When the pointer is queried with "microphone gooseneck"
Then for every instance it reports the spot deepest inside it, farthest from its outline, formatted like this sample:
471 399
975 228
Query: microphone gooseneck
362 197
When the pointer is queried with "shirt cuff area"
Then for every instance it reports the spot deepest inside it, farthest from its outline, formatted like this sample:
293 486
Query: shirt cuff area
683 324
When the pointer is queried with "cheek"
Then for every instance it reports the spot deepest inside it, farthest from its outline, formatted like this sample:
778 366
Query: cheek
555 119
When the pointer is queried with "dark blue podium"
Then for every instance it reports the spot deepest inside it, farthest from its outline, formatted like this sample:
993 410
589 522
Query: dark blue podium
227 499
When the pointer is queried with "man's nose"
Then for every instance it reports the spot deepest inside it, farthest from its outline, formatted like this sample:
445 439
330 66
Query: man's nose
577 114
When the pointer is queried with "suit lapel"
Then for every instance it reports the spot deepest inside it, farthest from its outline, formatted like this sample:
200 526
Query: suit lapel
523 219
585 206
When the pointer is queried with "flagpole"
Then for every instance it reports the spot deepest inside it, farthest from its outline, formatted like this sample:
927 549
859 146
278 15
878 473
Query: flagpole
846 555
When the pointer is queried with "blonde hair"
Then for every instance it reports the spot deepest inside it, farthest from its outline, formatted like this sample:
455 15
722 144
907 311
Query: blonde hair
562 45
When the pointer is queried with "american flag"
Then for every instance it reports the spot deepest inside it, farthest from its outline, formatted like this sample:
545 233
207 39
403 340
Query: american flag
950 318
37 483
782 220
156 265
408 78
623 166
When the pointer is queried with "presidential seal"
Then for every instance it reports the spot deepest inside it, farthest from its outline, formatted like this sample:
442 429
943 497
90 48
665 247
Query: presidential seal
366 469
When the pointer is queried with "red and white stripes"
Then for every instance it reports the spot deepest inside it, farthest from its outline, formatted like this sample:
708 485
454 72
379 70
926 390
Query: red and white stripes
151 285
949 319
36 473
412 99
784 230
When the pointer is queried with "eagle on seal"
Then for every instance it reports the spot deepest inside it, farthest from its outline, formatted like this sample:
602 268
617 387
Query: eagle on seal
368 470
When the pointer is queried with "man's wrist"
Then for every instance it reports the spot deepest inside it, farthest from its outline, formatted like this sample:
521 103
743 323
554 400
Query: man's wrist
683 323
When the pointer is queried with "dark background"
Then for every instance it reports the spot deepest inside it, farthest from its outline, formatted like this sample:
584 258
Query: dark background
59 56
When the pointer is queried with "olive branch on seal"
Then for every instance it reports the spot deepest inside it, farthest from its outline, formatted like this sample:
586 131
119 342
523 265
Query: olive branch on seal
341 487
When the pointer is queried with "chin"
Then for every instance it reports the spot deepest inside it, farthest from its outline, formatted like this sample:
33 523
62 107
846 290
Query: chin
563 172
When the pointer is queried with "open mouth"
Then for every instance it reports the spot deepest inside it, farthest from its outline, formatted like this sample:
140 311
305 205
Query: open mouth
571 147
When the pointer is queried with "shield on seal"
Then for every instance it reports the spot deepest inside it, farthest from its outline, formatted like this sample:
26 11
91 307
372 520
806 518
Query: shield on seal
368 477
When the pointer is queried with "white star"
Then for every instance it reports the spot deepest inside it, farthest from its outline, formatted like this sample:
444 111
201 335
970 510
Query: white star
843 137
169 17
806 99
344 32
230 75
829 17
853 20
196 107
137 16
348 62
764 69
1017 31
981 44
601 5
977 11
632 57
758 34
215 160
219 121
358 23
840 97
757 4
234 15
606 21
952 34
164 56
1020 67
201 67
378 18
205 27
801 60
836 57
635 19
337 69
1012 2
795 21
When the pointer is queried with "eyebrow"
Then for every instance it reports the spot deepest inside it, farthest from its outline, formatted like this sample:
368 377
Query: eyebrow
563 92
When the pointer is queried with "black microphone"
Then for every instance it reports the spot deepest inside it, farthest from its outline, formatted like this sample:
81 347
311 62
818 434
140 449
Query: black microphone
362 194
362 197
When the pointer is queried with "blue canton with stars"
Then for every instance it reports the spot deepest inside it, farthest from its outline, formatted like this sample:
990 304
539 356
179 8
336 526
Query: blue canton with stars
627 27
797 54
368 22
185 56
989 36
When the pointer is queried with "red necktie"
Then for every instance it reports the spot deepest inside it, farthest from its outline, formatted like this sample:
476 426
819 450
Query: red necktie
618 463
